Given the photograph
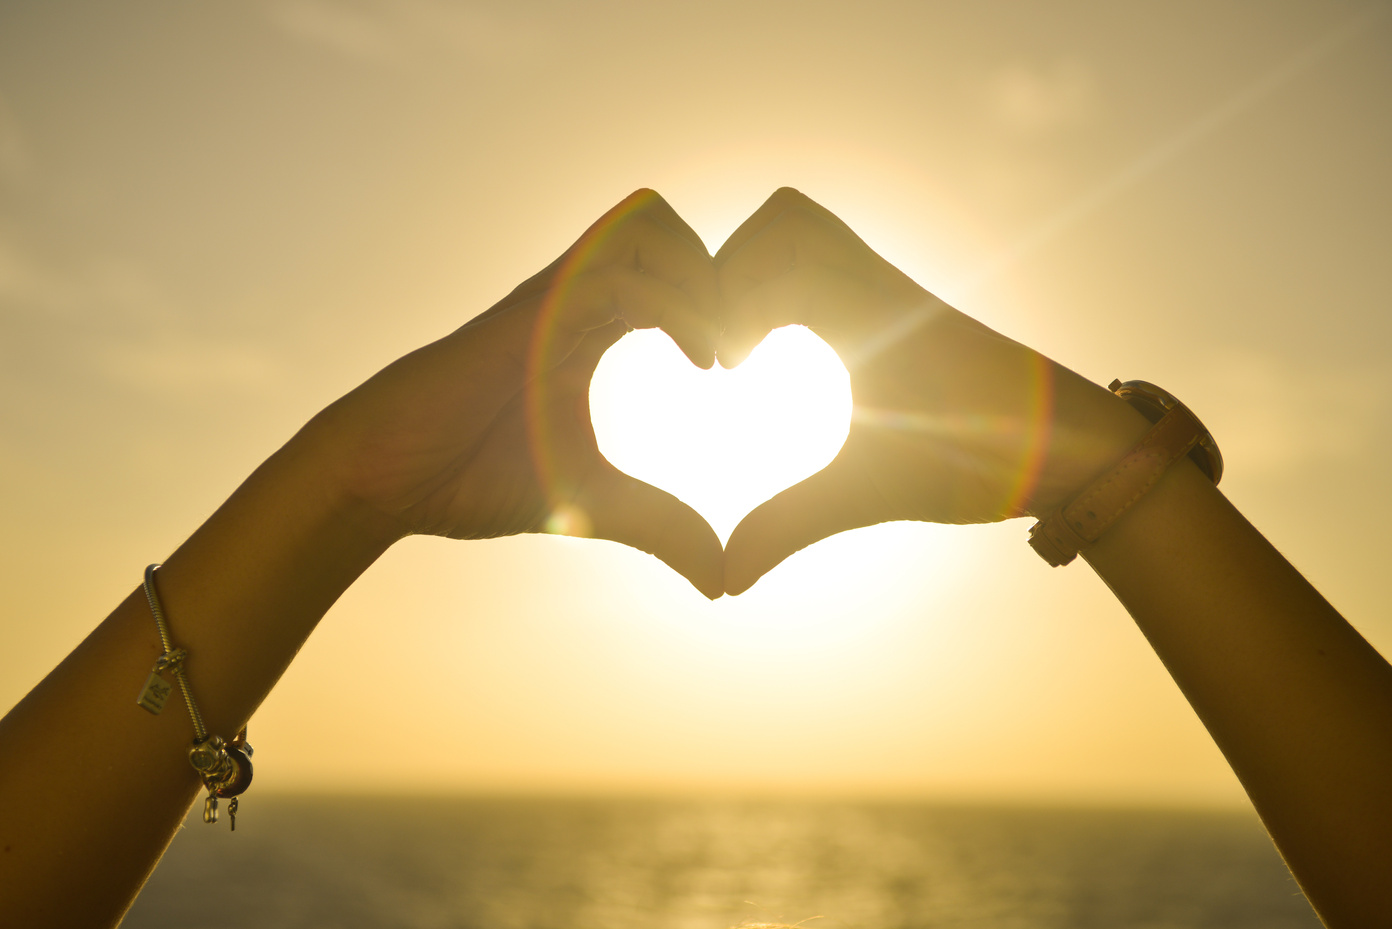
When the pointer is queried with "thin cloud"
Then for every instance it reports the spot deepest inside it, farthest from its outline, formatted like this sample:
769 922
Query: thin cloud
187 364
1029 100
100 287
27 287
1185 138
115 320
354 32
15 159
382 32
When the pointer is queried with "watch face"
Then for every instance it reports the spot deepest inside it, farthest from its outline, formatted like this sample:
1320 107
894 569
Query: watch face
1153 403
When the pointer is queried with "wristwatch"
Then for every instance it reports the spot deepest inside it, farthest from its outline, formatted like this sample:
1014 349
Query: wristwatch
1154 402
1176 432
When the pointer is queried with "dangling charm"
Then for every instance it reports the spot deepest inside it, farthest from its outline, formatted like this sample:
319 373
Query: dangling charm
238 779
225 769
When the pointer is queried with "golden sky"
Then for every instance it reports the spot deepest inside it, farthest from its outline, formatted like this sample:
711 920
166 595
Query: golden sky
214 219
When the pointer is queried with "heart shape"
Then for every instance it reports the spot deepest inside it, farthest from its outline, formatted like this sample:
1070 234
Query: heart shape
722 441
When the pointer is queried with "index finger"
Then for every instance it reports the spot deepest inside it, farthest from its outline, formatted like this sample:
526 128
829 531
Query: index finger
780 201
631 233
794 262
641 262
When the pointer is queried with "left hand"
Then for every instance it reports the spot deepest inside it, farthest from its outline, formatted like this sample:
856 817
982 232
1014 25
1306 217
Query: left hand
952 423
487 432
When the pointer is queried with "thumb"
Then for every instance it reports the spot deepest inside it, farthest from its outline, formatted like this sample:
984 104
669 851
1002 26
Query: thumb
624 509
839 497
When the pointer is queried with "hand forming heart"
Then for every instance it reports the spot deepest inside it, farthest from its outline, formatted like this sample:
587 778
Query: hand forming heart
952 422
487 432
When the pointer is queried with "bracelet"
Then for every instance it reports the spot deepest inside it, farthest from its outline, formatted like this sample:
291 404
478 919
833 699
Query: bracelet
223 767
1058 537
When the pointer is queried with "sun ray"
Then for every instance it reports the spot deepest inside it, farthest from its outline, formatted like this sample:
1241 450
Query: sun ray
1176 144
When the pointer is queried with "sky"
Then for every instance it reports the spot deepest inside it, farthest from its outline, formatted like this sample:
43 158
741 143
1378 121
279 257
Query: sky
217 218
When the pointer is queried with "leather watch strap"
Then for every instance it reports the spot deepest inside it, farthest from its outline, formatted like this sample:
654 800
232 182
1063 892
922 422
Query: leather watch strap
1059 536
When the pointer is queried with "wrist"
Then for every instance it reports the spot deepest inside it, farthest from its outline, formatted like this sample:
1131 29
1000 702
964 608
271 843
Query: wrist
1091 429
1176 434
316 468
248 587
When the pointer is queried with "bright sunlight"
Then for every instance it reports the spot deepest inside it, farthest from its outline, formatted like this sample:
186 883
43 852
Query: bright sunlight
722 441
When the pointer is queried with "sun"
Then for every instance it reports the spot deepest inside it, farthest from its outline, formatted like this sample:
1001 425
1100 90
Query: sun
723 441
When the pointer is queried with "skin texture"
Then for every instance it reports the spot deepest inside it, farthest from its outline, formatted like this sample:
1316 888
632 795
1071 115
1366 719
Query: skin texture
444 441
487 433
954 423
1298 701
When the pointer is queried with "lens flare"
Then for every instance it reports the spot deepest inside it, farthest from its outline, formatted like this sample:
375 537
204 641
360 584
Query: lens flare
550 344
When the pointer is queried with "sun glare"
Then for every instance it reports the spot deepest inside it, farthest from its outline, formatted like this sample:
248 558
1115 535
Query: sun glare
722 441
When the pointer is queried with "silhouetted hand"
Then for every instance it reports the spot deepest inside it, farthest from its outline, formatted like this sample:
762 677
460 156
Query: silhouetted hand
952 422
487 432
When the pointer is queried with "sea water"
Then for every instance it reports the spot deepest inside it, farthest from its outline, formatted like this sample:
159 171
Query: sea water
509 863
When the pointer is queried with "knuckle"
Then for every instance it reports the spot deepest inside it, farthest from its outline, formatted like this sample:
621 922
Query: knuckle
644 199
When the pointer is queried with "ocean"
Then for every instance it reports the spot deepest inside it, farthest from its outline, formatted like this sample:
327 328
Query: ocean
513 863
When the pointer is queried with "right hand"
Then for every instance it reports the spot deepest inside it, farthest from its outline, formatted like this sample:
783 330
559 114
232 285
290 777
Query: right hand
952 422
487 431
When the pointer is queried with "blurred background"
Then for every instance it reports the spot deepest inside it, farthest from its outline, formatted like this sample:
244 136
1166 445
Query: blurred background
217 218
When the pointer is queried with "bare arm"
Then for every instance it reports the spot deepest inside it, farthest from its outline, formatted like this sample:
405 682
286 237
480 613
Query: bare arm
92 788
1298 702
484 433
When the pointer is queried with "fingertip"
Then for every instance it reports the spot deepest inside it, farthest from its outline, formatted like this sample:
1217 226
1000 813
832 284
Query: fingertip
739 579
705 360
705 574
645 195
832 500
732 347
746 560
654 521
730 358
700 352
734 588
701 564
711 592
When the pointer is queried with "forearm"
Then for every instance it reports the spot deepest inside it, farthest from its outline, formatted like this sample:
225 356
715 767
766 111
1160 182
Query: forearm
446 440
92 787
1299 703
